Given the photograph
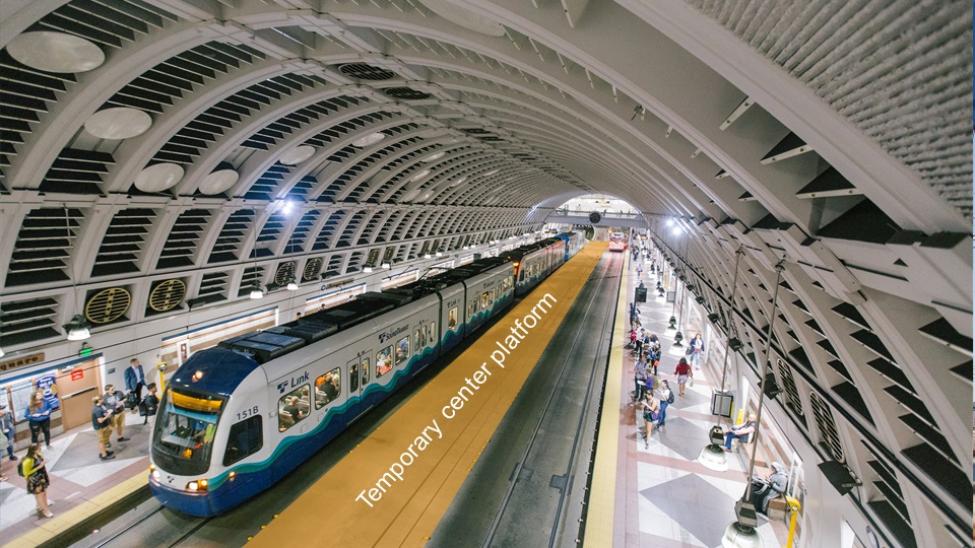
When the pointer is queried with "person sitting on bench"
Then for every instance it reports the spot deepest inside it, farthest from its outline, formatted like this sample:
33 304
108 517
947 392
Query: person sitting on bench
741 432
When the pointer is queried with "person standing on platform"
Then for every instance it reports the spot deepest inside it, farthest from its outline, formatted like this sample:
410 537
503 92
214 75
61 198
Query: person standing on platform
35 474
101 421
684 373
38 415
115 403
9 429
135 378
149 404
639 379
696 350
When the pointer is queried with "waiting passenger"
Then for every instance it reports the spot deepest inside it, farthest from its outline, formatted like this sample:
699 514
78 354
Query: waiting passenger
35 474
639 379
651 416
149 404
666 398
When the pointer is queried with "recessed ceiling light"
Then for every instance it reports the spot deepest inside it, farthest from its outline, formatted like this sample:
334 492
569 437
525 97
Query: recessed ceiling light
410 195
459 181
159 177
420 174
297 155
118 123
219 181
427 194
370 139
55 51
434 157
492 172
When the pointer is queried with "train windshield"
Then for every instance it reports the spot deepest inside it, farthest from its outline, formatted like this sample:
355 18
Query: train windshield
183 436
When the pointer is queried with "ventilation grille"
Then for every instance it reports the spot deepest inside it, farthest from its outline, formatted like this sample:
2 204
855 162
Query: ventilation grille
213 288
123 242
406 94
108 305
166 295
829 438
231 235
253 276
334 266
27 321
910 91
183 239
269 234
312 267
365 71
43 247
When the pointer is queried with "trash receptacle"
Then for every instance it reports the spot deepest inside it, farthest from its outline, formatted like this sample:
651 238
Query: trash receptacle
641 294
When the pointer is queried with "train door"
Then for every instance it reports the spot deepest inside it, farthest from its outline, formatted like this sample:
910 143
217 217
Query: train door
358 375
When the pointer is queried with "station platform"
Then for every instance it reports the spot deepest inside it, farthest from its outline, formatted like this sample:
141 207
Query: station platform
655 495
410 509
81 483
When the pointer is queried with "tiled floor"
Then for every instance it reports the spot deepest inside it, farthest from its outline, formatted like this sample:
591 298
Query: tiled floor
665 499
76 474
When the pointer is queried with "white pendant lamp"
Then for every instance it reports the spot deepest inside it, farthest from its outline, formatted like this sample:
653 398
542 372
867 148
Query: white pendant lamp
78 329
55 52
219 181
118 123
256 292
159 177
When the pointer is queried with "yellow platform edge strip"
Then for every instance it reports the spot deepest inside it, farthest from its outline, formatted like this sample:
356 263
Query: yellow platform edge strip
326 514
602 495
48 529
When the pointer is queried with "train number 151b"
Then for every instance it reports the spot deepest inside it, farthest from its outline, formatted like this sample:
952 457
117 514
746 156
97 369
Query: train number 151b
248 413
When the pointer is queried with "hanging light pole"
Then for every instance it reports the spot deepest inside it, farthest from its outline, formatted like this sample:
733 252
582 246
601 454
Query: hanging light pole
678 337
256 291
742 532
712 456
78 329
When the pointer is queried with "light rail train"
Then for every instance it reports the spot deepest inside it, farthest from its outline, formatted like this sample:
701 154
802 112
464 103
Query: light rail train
617 241
236 418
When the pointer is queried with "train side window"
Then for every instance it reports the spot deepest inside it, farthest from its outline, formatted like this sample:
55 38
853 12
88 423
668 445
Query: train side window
402 349
452 318
432 337
485 300
328 387
417 336
246 438
384 361
364 368
471 308
353 377
293 407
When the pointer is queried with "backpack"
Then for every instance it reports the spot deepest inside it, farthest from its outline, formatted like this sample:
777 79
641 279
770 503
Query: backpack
670 396
20 468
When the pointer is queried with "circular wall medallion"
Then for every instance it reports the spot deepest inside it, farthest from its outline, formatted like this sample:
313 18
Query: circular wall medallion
108 305
312 267
297 155
167 294
219 181
370 139
159 177
118 123
55 51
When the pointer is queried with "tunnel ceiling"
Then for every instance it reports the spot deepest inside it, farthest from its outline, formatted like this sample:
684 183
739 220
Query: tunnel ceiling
204 145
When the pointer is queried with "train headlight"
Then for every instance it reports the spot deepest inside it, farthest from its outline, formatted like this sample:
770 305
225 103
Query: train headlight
155 475
192 486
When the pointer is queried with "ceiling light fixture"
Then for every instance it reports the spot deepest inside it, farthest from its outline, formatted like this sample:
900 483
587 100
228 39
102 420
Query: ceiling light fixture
256 292
219 181
296 155
118 123
434 157
369 139
420 175
56 52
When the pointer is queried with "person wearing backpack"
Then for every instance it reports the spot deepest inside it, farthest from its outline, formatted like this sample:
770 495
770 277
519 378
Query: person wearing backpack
666 398
651 416
35 473
149 404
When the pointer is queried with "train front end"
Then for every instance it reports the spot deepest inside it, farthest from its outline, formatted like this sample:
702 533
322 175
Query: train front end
190 445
